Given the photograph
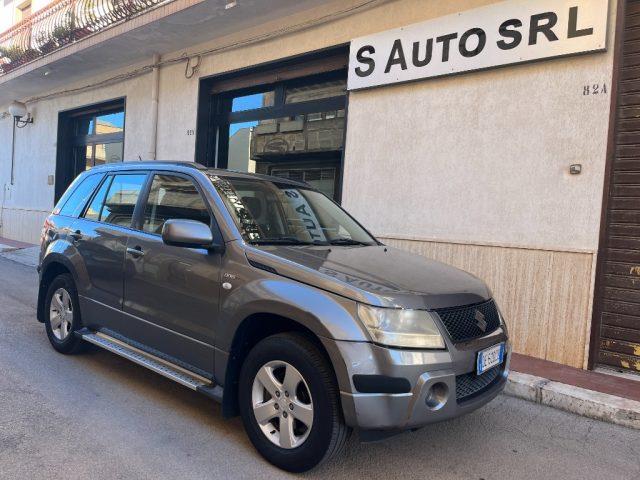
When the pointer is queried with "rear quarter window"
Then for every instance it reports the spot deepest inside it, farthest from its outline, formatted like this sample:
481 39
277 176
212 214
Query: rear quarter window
76 202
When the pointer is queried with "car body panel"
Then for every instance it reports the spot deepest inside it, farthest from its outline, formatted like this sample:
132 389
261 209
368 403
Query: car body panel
173 292
377 275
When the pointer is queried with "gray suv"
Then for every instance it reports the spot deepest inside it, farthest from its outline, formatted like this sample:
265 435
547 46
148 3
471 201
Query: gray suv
265 295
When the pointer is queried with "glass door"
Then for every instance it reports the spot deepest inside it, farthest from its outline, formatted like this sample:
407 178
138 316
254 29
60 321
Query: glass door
293 129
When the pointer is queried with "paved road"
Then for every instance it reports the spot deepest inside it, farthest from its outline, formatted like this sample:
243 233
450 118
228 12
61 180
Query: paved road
98 416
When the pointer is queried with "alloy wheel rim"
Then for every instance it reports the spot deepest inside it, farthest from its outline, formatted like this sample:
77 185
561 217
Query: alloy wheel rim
282 404
61 314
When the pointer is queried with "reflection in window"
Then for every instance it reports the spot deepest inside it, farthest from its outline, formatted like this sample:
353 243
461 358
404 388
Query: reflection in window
173 197
272 139
110 123
88 156
323 179
253 102
317 91
101 153
108 153
121 199
78 199
93 211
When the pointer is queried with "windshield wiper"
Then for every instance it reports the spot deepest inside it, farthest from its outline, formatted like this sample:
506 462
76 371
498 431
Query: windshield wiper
283 241
349 241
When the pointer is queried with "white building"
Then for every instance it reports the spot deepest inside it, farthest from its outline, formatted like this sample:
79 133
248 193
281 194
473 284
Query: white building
518 161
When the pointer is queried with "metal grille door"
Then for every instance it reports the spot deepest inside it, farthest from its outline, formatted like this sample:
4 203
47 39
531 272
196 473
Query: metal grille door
618 297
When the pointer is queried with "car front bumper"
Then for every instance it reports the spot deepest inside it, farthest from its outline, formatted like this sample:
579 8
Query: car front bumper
433 377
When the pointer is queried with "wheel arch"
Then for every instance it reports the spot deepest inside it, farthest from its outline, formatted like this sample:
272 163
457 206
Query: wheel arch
54 266
252 330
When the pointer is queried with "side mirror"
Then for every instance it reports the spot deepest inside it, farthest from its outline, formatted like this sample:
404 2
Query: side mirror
187 233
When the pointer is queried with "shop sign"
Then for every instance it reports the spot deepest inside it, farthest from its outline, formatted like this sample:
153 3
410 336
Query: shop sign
504 33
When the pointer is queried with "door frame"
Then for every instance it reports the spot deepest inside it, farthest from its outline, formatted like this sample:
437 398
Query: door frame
598 291
304 65
66 169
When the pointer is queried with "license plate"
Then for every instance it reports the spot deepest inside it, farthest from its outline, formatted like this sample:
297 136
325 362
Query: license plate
489 358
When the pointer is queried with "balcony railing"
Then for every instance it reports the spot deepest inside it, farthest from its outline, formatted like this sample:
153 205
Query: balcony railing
62 23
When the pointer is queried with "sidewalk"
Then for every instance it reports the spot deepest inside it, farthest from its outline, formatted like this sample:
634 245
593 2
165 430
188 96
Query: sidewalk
596 395
21 252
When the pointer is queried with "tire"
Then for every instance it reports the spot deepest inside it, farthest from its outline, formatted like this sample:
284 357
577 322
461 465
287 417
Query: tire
316 389
60 331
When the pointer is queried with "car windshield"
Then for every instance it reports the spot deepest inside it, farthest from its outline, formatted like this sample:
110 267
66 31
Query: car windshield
274 213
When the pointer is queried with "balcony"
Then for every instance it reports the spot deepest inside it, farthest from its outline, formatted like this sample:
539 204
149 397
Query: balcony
61 23
72 41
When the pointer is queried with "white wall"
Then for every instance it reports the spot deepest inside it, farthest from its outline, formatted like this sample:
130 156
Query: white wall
483 157
30 198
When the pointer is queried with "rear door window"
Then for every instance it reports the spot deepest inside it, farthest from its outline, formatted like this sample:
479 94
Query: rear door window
116 199
95 207
78 199
121 199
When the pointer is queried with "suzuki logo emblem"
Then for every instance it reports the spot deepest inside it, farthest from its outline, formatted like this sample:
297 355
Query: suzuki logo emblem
480 321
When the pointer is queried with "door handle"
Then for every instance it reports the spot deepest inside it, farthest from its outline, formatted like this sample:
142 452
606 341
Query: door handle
136 251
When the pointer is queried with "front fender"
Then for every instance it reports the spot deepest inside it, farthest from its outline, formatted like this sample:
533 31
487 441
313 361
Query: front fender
325 314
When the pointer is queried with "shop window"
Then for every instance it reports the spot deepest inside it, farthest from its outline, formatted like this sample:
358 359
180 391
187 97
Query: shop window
293 129
89 137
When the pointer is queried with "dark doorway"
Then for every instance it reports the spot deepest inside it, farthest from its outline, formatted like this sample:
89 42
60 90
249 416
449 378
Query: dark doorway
87 137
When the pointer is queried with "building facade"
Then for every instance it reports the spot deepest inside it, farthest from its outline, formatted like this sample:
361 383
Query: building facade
515 164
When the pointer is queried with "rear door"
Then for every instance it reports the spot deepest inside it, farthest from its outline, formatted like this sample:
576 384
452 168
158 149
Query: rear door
100 236
173 292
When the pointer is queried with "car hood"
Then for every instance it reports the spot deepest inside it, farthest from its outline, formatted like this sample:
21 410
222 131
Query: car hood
376 275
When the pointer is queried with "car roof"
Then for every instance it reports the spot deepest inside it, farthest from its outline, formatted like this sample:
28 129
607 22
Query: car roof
180 165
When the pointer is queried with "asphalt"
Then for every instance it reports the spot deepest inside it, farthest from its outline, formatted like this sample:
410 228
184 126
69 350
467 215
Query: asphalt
97 416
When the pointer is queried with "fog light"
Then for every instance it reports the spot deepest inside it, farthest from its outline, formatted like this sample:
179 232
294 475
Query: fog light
437 396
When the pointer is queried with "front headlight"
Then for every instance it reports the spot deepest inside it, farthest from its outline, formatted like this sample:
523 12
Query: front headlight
401 328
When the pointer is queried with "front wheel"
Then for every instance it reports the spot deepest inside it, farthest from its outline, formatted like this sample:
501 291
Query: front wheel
290 404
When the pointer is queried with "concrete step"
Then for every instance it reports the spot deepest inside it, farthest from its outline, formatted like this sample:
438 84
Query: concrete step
574 399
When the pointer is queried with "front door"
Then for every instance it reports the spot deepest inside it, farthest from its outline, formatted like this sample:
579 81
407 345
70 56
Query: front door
172 292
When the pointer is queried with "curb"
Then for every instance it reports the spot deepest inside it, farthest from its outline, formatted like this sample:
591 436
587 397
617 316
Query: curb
588 403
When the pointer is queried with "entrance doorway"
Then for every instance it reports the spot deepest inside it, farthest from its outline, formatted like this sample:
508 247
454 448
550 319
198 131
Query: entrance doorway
616 322
288 122
88 137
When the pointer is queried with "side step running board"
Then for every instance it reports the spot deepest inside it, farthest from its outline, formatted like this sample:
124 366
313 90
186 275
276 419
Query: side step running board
156 364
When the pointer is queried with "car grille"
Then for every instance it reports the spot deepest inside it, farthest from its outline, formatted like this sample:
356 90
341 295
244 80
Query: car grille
470 384
462 322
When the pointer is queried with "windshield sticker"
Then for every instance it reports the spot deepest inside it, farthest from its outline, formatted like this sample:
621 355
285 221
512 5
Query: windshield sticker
302 207
248 225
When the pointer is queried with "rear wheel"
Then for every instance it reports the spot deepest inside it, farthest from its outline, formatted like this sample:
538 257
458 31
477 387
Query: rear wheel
62 315
289 403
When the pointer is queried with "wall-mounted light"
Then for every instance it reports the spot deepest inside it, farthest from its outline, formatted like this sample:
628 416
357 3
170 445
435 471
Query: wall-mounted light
21 116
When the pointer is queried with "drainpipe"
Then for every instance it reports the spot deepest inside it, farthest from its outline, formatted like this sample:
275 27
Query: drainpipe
155 89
